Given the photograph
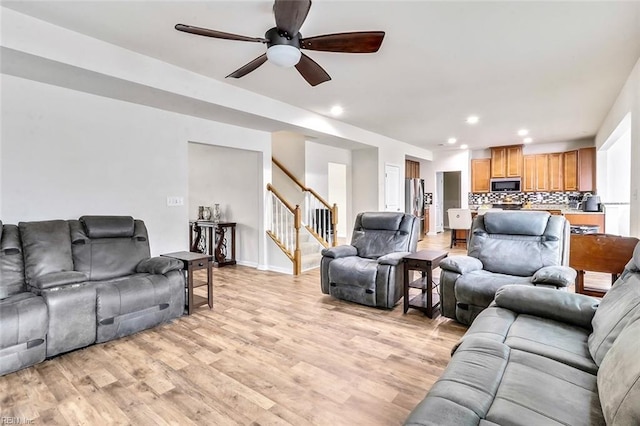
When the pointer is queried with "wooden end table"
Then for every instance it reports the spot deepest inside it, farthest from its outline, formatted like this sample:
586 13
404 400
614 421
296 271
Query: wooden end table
193 262
424 261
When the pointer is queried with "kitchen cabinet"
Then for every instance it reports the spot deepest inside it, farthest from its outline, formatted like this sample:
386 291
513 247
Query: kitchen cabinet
542 172
556 172
587 219
529 173
506 161
480 175
426 220
411 169
571 170
580 170
587 169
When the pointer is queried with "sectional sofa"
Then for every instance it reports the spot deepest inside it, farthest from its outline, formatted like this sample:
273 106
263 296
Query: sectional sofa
66 284
537 356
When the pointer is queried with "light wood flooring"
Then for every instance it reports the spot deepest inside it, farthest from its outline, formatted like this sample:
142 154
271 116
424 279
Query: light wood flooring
273 351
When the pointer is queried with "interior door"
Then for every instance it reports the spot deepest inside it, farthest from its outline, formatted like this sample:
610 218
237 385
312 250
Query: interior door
391 188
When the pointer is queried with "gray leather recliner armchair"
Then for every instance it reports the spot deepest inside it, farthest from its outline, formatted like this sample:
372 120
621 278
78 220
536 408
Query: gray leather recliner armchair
518 247
370 270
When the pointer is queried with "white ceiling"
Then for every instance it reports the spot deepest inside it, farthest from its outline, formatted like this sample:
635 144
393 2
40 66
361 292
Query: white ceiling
554 68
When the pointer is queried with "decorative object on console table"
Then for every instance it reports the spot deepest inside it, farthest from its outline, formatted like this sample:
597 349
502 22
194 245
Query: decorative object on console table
599 253
216 216
206 213
218 242
194 262
424 261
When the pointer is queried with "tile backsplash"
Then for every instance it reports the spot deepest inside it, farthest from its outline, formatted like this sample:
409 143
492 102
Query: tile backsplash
522 197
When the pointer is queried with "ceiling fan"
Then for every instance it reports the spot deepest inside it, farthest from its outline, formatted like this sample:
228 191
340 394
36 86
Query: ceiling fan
284 42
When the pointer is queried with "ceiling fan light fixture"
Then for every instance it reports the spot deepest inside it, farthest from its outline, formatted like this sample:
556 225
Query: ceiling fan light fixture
284 55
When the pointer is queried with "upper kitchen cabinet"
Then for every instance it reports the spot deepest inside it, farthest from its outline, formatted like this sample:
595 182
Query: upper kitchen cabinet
580 170
506 161
556 172
480 175
542 172
411 169
529 173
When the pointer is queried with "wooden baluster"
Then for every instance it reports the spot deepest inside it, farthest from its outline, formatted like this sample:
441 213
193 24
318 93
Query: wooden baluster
297 254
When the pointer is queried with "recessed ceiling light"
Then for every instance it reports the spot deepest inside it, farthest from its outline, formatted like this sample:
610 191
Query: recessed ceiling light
473 119
527 140
336 110
464 146
523 132
452 141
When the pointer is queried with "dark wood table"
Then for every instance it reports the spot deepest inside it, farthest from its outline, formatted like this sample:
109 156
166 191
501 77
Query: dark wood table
424 261
599 253
194 262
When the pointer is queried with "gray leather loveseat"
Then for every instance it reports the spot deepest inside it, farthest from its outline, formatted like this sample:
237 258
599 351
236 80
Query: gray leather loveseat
370 270
538 356
79 282
511 247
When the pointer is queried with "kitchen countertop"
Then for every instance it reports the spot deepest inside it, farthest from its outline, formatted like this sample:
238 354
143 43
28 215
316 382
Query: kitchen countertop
545 207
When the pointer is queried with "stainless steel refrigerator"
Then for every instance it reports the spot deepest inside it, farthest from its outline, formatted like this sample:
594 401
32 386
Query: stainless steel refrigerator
414 200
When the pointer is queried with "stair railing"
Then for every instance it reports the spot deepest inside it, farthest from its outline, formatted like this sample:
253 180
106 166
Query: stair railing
284 227
320 218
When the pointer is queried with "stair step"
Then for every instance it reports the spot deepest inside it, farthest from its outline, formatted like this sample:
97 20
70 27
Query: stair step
311 261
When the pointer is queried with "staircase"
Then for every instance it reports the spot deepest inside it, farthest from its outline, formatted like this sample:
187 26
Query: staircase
301 234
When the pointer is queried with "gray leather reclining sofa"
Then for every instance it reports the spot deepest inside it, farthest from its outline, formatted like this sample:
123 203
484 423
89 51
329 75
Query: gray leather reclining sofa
538 356
66 284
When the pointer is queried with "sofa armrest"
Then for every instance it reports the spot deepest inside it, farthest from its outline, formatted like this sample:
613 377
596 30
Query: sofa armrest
340 251
393 258
57 279
572 308
560 276
159 265
461 264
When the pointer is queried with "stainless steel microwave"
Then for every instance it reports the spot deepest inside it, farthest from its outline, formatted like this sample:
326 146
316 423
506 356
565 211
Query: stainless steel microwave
505 185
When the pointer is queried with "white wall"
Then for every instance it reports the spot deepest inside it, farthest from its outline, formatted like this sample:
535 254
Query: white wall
628 101
209 169
365 191
67 153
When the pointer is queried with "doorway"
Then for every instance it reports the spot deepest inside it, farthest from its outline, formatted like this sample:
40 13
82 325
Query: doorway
451 193
337 194
391 188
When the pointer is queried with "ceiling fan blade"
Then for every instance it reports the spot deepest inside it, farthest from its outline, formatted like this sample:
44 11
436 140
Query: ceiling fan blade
216 34
290 14
251 66
311 71
355 42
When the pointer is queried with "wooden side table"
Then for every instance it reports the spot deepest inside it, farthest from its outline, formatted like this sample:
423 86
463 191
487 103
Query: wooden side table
194 262
599 253
424 261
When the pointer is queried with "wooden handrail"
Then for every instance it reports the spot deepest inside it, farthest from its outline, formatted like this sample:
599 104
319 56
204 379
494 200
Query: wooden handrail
300 184
281 198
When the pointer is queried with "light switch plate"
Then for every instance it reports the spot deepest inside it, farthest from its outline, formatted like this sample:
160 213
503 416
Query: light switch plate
175 201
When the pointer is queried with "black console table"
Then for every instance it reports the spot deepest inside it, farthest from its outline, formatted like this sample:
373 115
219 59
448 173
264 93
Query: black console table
217 239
